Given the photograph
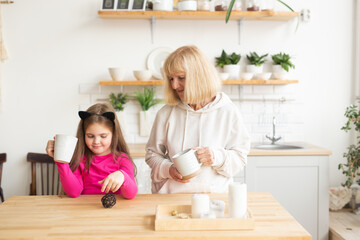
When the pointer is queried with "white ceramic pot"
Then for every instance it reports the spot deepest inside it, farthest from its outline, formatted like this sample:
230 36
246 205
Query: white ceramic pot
233 70
189 5
254 69
145 123
121 115
163 5
279 72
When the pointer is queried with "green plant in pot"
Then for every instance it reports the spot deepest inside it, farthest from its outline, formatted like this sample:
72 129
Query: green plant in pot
351 169
229 64
256 62
118 102
146 98
282 65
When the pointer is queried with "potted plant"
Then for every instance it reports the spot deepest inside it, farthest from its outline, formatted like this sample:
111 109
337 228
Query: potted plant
351 169
256 62
282 65
118 102
229 64
146 98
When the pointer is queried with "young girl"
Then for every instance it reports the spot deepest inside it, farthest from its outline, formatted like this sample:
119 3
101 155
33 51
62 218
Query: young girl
101 162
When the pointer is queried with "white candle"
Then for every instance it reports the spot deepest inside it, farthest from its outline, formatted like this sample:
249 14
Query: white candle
199 205
237 200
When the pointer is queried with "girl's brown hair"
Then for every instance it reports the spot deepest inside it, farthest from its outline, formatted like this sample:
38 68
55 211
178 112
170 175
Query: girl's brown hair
201 77
118 144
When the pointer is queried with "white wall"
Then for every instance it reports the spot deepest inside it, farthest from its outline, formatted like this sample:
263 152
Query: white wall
59 50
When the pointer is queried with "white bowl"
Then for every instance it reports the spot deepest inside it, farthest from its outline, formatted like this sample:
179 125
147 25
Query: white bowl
246 75
117 73
263 76
224 76
142 75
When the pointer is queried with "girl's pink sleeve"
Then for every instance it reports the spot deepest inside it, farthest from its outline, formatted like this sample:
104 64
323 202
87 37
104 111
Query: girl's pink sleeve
129 188
71 182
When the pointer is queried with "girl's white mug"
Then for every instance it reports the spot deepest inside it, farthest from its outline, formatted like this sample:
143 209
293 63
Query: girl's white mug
187 163
64 148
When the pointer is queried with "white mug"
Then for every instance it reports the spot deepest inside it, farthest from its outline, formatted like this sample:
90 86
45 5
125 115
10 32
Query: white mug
64 148
187 163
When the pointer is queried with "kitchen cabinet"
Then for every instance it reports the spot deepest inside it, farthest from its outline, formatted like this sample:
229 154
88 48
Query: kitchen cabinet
299 183
226 82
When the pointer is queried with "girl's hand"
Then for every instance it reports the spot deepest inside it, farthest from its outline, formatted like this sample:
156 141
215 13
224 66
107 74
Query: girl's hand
176 175
50 148
112 182
205 155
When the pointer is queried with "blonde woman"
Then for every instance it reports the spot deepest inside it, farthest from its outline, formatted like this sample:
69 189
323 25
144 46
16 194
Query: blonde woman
196 115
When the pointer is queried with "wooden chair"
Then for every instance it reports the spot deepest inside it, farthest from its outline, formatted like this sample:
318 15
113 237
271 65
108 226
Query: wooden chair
2 160
42 164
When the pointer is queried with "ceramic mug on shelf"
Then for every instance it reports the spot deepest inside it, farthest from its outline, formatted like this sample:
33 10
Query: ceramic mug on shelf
187 163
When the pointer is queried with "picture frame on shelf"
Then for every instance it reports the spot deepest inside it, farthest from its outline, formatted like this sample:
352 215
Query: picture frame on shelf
123 5
138 5
108 5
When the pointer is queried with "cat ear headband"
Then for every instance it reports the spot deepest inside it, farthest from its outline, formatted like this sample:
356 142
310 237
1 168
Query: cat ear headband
109 115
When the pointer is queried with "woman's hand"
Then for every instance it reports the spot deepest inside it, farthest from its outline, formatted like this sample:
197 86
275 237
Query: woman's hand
50 148
205 155
176 175
112 182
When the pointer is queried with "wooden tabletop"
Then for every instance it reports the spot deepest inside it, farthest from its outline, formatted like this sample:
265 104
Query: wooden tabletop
54 217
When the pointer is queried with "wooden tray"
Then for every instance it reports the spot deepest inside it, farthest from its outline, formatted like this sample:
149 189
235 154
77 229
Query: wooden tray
164 221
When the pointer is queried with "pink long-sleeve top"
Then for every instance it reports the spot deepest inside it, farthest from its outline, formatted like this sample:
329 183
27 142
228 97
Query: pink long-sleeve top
83 181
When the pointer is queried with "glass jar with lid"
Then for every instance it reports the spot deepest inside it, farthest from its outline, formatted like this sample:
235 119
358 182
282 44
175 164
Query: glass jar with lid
237 5
203 5
252 5
267 5
221 5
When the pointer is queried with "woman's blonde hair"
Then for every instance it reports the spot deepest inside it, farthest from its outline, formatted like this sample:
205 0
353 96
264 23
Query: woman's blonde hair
118 145
202 81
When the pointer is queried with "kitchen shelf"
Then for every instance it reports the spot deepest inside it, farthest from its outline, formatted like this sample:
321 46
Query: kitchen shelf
200 15
226 82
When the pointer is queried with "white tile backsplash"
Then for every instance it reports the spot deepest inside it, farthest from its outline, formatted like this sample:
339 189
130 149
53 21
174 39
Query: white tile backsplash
258 104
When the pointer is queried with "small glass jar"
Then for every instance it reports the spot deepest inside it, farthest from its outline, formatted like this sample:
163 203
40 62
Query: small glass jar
221 5
237 5
252 5
267 5
203 5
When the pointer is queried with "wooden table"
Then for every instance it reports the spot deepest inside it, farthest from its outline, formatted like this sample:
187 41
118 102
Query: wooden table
54 217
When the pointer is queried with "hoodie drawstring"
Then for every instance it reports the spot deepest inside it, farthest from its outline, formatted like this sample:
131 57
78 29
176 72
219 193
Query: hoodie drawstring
200 128
186 120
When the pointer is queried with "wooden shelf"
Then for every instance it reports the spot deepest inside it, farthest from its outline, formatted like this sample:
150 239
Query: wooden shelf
227 82
200 15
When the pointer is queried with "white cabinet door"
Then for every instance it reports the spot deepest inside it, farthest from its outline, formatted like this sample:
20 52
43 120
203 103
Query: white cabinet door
143 178
298 183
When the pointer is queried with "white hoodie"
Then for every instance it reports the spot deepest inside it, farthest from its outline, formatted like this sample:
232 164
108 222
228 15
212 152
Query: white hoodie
218 126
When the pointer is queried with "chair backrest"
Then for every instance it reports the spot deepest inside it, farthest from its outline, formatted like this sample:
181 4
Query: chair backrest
2 160
43 169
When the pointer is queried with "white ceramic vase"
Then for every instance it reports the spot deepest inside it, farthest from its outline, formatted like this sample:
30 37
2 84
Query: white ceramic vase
254 69
121 117
279 72
233 70
145 123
